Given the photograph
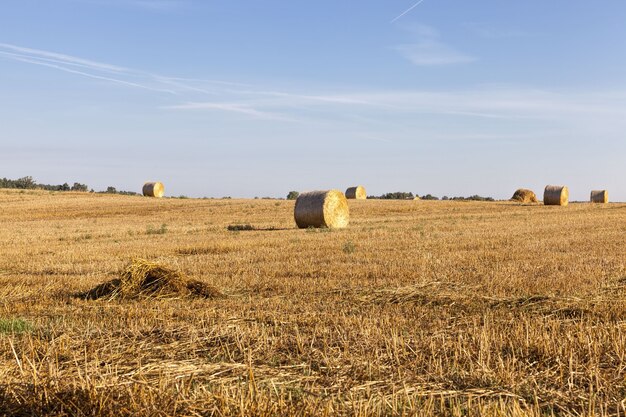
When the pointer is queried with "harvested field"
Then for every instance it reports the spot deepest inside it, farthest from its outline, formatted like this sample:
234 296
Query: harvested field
440 307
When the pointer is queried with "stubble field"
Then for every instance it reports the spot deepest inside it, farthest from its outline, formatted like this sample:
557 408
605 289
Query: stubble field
418 308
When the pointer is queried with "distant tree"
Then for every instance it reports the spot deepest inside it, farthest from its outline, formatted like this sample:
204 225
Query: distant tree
292 195
80 187
398 195
111 190
25 183
429 197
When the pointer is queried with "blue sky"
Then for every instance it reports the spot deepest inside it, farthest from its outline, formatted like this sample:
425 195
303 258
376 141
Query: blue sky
256 98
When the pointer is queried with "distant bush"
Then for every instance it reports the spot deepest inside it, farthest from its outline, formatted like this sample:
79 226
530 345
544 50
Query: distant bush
292 195
113 190
429 197
472 198
398 195
238 227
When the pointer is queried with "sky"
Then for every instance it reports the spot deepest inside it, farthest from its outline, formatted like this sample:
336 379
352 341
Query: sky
248 98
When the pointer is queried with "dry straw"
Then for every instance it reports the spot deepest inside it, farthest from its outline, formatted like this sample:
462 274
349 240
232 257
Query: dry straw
356 193
150 279
153 189
524 196
556 195
600 196
322 209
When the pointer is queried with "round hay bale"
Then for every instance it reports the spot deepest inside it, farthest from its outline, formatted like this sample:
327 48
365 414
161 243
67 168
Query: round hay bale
556 195
356 193
153 189
322 209
524 196
600 196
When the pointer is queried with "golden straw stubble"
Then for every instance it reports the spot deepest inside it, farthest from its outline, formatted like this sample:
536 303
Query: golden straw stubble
322 209
556 195
356 193
599 196
153 189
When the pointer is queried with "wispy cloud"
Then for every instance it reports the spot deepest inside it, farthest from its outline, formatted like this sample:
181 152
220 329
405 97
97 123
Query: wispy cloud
161 5
153 5
485 31
61 58
429 50
94 76
383 107
233 108
103 71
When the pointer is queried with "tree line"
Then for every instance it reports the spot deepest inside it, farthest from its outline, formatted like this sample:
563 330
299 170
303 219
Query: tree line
28 183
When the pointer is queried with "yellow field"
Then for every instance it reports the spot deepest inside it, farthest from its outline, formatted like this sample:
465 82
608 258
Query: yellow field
417 308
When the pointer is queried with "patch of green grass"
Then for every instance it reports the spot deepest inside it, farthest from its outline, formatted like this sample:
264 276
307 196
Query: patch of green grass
14 326
160 231
86 236
349 247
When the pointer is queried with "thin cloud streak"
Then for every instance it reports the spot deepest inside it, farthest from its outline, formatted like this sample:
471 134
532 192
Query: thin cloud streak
94 76
62 61
231 107
63 58
151 5
406 11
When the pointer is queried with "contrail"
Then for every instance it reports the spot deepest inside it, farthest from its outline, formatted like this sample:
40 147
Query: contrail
407 10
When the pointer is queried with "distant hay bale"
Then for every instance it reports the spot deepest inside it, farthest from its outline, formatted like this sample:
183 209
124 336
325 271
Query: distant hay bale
322 209
556 195
149 279
416 198
524 196
153 189
600 196
356 193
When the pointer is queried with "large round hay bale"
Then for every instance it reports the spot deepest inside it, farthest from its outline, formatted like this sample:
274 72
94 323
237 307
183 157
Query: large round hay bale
556 195
600 196
153 189
356 193
322 209
524 196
